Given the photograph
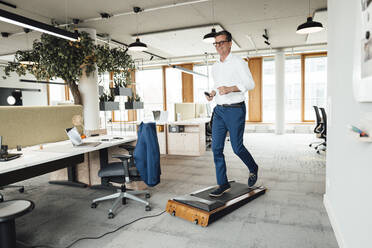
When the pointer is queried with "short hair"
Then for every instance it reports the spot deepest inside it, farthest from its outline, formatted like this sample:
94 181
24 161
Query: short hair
226 33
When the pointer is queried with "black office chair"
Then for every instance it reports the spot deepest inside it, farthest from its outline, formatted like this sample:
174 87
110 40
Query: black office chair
21 189
318 126
122 172
323 134
208 132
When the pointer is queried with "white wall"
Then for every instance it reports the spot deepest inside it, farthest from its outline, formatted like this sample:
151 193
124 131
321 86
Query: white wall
29 98
348 197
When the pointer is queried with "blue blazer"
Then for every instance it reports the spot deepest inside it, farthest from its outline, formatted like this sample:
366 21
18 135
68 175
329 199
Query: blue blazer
147 154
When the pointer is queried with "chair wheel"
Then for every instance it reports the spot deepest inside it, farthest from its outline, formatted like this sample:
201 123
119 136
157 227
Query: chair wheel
318 152
195 221
147 195
111 215
93 205
173 213
148 208
310 145
1 199
124 201
21 190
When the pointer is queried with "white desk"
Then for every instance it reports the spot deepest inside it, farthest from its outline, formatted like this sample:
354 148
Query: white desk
53 156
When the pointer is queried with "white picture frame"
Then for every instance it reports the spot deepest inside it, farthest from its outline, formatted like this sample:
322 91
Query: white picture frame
362 72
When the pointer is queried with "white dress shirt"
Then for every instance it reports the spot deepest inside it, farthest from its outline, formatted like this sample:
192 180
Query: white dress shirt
233 71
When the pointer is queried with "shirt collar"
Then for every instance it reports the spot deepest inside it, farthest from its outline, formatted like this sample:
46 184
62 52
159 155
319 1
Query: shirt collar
227 58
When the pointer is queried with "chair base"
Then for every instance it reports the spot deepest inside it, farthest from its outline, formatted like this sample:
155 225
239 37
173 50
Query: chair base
21 189
120 199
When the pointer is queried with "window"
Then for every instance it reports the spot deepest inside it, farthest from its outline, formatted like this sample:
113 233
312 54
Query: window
105 116
56 92
315 84
293 89
202 84
174 90
149 86
268 90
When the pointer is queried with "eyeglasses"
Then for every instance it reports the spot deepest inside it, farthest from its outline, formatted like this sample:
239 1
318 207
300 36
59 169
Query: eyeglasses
220 43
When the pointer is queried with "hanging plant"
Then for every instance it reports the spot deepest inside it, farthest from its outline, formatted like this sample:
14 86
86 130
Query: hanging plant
53 57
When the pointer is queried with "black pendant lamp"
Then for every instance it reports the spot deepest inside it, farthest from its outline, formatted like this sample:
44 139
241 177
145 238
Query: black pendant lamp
309 26
209 38
137 46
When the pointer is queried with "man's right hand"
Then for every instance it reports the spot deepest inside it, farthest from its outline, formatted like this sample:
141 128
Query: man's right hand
212 94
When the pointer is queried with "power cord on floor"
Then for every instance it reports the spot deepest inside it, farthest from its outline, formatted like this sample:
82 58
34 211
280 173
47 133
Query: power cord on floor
115 230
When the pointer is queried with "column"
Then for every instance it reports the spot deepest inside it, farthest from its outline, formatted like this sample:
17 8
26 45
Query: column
88 87
280 96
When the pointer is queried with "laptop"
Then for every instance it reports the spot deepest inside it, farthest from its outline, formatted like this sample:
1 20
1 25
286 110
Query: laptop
75 138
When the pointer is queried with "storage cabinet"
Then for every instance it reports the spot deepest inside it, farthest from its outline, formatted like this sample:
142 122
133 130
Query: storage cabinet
191 142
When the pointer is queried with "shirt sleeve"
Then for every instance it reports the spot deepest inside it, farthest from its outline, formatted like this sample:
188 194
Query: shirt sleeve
245 82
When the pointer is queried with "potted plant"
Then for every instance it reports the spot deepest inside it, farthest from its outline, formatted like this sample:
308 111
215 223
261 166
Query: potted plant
52 57
134 102
106 102
121 82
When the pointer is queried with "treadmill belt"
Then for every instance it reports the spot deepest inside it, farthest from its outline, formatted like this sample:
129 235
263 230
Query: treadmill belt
203 201
237 189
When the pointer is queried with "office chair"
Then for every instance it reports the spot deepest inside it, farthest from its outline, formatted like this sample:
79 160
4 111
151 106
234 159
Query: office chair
323 134
318 127
208 132
121 172
21 190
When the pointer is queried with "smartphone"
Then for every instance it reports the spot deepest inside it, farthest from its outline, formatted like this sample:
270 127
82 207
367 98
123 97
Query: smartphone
207 94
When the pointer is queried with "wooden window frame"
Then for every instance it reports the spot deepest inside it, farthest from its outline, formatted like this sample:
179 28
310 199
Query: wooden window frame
303 69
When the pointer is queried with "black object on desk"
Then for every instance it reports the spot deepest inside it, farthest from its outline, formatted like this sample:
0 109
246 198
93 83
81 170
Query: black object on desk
9 156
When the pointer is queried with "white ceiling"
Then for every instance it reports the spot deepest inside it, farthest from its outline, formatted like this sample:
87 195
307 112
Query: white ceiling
186 42
242 18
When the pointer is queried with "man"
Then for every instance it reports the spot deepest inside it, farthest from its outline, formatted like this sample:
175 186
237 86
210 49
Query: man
232 79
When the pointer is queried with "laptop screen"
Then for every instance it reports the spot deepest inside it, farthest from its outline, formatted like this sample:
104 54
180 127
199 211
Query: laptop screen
74 136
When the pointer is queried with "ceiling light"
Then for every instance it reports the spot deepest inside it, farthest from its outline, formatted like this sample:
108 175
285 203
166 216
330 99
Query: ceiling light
209 38
137 46
309 26
40 82
188 71
25 22
11 100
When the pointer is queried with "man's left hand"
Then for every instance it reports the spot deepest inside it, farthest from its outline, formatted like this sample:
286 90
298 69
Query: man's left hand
223 90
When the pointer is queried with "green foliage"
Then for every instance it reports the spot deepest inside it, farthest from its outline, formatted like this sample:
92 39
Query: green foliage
107 96
53 57
122 79
135 98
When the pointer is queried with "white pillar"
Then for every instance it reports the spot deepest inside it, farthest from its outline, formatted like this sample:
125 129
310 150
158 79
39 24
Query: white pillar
280 96
88 87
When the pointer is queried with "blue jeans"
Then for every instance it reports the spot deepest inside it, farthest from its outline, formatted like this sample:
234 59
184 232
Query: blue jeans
232 120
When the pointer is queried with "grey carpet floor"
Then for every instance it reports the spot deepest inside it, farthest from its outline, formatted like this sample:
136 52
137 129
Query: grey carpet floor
290 215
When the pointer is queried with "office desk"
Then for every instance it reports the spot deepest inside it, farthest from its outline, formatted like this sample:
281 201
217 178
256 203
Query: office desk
54 156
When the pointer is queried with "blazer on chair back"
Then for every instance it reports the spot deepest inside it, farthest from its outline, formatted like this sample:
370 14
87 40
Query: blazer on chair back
147 154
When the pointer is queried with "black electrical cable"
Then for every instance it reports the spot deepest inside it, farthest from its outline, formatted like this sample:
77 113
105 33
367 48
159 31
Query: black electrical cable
101 236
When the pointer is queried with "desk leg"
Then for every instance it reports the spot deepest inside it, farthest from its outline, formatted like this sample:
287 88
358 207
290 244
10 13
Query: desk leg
103 161
71 173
